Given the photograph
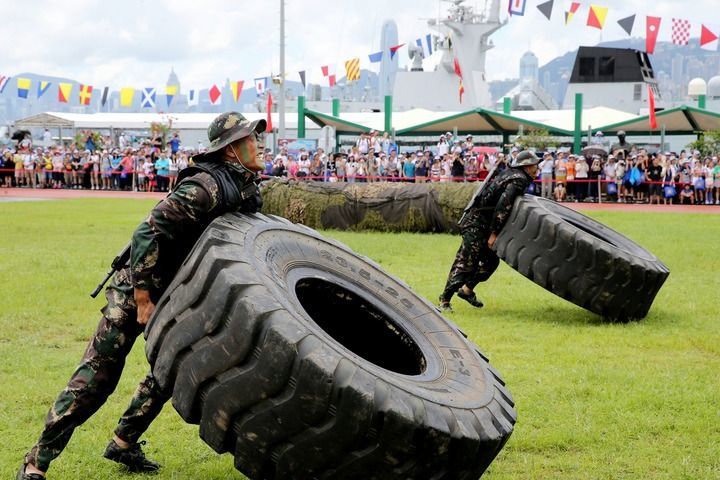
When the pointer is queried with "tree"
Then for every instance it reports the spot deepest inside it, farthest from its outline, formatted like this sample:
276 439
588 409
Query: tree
708 143
537 139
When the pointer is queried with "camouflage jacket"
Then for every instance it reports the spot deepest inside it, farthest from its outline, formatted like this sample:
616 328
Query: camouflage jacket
163 240
496 201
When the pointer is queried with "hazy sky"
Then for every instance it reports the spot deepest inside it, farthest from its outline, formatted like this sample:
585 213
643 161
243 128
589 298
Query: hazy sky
136 42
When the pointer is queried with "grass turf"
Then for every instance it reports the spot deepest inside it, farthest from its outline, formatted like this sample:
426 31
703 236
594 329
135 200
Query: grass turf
595 400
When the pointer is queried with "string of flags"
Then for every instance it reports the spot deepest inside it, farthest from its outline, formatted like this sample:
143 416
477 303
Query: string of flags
83 94
681 29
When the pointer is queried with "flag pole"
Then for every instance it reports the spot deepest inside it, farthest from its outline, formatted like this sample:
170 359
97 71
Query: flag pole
281 100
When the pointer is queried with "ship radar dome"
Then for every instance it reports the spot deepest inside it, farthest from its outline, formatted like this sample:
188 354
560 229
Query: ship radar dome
696 87
713 87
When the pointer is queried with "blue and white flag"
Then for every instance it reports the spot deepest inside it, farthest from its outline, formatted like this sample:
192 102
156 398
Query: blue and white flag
193 98
426 44
260 85
148 98
376 57
516 7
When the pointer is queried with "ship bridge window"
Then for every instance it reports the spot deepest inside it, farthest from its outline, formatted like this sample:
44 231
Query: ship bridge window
606 69
587 68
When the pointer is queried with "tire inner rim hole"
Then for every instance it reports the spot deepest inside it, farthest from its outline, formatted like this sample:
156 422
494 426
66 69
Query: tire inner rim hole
360 327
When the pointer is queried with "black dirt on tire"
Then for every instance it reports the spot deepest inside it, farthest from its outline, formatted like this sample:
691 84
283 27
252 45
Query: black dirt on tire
580 259
306 361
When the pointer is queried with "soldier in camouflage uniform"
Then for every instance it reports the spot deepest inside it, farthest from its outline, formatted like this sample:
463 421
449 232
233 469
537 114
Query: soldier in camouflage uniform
222 180
475 260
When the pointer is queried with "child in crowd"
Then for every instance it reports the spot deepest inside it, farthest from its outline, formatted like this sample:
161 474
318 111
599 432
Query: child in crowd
560 193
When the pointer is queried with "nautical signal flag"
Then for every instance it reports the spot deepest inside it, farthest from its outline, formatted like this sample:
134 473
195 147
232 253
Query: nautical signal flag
328 72
375 57
709 38
236 89
3 82
393 50
85 94
426 45
170 92
269 126
516 7
193 98
680 31
627 23
458 72
596 16
302 77
43 86
148 97
127 95
104 96
574 6
260 86
64 92
546 8
215 95
652 28
23 87
352 70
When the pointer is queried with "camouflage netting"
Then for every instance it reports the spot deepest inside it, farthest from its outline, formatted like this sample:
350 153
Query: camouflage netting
386 207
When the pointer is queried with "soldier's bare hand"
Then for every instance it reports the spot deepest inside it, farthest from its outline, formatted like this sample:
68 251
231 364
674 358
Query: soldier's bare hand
491 240
145 306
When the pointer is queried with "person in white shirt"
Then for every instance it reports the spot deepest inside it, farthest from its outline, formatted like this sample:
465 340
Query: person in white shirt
443 146
547 167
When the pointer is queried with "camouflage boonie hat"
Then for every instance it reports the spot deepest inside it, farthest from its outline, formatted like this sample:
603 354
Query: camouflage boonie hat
525 158
229 127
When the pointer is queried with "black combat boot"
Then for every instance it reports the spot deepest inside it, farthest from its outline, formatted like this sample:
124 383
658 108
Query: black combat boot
470 298
132 457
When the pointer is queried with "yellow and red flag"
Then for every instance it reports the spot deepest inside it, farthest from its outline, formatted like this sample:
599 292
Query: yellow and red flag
574 6
85 94
64 92
236 88
596 16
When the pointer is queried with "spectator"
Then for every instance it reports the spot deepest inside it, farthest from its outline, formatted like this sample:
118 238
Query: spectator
560 193
716 179
594 176
162 171
687 195
174 144
408 168
581 176
655 179
443 147
547 167
457 169
570 175
610 173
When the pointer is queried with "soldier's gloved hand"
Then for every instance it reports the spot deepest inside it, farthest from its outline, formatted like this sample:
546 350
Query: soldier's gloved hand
491 240
145 306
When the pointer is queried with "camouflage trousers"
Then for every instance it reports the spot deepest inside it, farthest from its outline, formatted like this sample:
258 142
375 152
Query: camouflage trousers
96 378
474 262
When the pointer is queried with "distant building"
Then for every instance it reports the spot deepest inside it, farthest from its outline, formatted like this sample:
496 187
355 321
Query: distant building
388 65
528 94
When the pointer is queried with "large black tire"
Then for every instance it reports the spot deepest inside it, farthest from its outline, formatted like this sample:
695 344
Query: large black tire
580 260
307 361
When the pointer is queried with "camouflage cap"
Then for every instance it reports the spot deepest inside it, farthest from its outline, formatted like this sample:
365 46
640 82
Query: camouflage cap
525 158
229 127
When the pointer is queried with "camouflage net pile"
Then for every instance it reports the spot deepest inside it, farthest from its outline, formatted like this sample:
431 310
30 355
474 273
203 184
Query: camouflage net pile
385 207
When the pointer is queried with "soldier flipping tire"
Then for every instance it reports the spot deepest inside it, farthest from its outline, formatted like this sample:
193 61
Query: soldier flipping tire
304 360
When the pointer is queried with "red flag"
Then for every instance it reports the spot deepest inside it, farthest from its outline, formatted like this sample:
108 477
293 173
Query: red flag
456 64
708 39
651 103
269 113
652 28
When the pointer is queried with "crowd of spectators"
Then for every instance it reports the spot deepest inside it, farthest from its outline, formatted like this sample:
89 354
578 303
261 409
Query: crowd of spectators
151 165
625 174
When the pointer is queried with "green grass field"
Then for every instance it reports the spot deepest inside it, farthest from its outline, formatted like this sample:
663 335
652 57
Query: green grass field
594 400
